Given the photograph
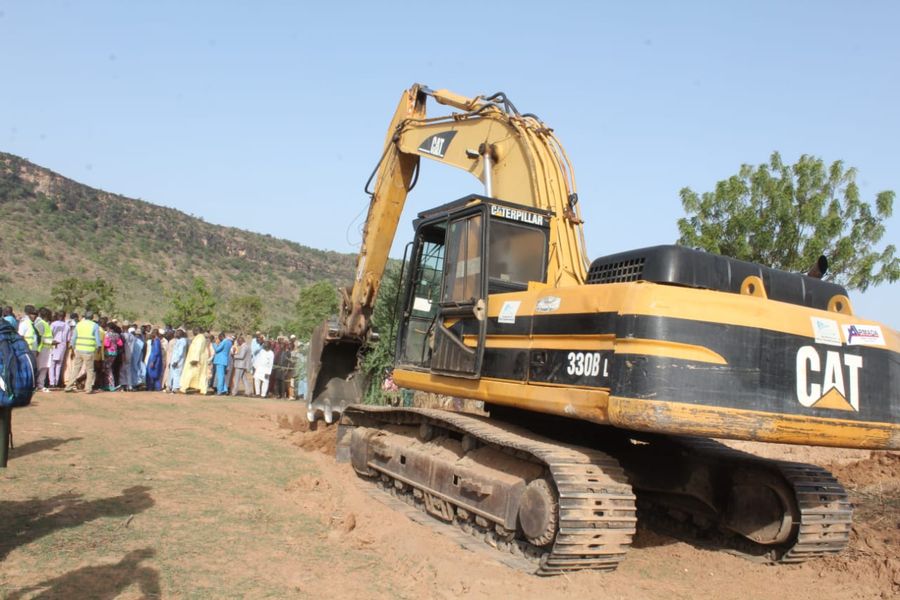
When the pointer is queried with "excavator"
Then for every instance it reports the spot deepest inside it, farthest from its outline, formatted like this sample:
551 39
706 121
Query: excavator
604 383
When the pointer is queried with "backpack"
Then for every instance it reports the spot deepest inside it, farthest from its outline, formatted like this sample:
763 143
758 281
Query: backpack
17 368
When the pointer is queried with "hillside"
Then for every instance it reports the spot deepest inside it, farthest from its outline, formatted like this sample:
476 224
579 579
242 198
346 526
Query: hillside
146 251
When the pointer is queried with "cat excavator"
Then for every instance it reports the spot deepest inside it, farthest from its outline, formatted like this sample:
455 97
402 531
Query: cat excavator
602 381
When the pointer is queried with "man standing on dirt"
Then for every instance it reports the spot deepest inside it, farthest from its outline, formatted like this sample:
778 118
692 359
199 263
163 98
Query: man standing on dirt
255 348
85 341
262 369
195 374
175 359
45 347
61 333
222 351
27 330
242 363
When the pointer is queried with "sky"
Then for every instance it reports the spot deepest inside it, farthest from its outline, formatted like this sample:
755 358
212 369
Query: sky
270 116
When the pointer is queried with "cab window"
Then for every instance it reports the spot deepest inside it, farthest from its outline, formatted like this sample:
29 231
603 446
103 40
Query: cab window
462 278
517 254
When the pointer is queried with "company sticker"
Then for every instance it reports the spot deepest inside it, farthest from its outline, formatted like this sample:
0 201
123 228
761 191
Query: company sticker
826 331
547 304
508 311
863 335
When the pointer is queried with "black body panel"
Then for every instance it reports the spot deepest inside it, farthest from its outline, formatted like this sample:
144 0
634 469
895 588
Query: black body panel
694 268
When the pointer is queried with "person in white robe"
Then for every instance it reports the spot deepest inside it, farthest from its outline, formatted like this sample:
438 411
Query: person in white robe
262 369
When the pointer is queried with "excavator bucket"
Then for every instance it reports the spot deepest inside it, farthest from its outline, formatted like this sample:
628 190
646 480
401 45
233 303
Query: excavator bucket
334 380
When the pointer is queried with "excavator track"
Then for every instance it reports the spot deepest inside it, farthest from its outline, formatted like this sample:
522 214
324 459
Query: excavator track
595 505
823 517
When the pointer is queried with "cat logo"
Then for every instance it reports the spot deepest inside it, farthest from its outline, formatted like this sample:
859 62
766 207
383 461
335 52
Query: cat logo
437 144
832 383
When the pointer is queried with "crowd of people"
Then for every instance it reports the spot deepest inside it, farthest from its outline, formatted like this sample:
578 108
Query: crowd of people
95 353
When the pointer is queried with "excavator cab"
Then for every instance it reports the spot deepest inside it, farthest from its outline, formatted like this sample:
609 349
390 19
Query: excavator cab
462 253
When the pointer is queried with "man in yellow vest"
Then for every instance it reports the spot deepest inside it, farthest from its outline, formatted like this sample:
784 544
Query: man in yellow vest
27 331
45 333
85 341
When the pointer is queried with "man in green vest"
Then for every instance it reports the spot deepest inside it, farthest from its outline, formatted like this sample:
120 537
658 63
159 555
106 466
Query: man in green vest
85 341
45 346
27 330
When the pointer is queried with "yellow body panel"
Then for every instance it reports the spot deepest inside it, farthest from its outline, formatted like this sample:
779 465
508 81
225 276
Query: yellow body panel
582 403
713 421
659 413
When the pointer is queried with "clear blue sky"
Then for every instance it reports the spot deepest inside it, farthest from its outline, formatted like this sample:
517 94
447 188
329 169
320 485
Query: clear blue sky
271 115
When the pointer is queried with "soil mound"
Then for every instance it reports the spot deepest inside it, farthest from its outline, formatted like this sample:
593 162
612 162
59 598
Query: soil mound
316 437
878 469
874 551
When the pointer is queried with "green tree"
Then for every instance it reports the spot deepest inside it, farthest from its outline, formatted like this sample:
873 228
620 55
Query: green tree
72 293
315 303
100 296
385 320
242 313
193 306
68 294
786 216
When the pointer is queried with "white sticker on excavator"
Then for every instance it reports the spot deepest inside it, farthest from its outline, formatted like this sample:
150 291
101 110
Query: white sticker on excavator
422 305
547 304
508 311
826 331
863 335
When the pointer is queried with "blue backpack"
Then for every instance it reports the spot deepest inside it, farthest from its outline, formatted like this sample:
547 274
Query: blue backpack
17 368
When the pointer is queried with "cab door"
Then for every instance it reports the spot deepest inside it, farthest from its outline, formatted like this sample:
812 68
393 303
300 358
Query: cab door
460 325
423 281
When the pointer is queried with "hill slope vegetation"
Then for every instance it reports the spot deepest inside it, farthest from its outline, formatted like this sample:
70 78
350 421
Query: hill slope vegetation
52 227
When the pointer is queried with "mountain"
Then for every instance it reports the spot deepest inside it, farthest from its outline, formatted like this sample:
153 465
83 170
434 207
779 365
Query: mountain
52 227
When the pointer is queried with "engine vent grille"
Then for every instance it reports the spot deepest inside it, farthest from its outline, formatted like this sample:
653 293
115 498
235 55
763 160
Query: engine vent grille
620 271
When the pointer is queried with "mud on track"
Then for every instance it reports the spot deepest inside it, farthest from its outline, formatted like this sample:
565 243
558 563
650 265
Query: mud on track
149 495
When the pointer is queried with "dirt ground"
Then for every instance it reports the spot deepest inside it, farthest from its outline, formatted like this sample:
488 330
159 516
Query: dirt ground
151 495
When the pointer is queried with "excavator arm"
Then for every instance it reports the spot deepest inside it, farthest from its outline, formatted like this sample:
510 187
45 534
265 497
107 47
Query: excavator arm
515 156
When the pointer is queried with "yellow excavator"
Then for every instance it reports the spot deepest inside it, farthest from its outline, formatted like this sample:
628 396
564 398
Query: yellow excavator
602 381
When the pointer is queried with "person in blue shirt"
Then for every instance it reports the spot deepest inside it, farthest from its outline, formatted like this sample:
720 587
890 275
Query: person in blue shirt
176 360
154 363
222 351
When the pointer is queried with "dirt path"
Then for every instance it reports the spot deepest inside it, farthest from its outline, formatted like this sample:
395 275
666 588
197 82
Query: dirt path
149 495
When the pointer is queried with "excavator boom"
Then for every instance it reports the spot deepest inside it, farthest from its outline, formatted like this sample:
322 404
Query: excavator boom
515 156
